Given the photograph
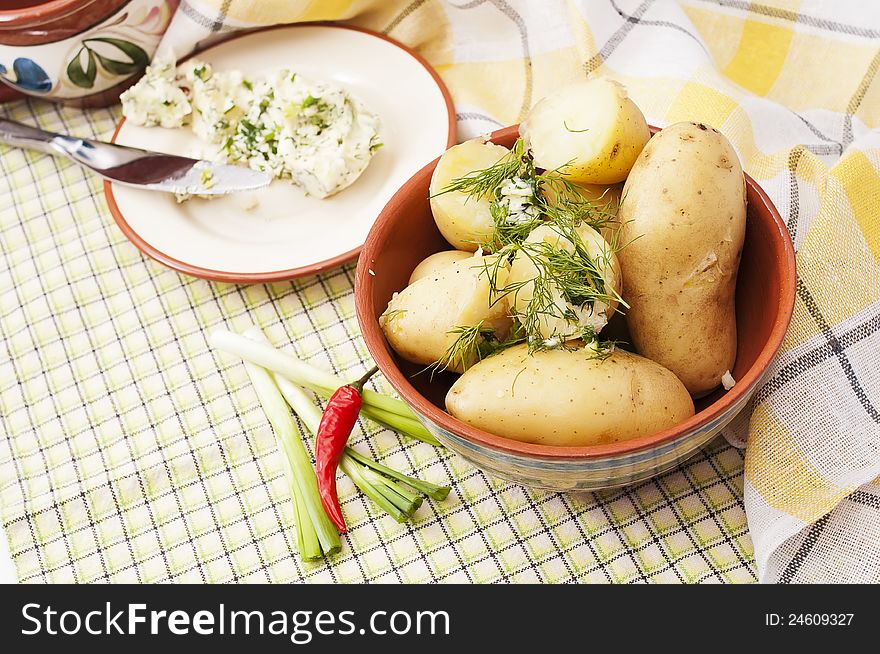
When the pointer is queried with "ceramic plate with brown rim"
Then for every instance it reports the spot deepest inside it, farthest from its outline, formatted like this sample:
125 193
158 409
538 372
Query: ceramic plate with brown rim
289 234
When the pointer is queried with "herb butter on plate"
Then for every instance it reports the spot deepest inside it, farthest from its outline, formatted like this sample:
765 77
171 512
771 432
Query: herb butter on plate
314 133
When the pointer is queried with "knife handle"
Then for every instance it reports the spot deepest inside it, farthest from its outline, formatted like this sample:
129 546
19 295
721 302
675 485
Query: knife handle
31 138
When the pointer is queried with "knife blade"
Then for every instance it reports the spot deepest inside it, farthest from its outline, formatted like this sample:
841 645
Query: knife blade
155 171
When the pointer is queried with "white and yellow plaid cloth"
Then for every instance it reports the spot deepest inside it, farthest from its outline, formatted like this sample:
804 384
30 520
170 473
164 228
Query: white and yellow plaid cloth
130 452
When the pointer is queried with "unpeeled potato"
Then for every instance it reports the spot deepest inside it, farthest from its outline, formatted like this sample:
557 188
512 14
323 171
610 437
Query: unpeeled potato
590 131
684 220
569 397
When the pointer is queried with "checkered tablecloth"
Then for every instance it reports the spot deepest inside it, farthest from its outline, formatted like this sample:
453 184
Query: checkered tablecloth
132 452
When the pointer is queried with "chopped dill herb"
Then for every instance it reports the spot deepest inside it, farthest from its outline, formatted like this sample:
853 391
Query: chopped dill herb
485 182
469 347
394 313
568 281
553 198
571 280
201 72
206 179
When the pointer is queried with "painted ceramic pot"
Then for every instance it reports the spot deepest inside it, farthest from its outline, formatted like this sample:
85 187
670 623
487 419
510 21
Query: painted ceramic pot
405 233
81 52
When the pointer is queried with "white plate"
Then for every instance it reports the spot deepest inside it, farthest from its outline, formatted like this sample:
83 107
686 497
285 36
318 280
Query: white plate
288 234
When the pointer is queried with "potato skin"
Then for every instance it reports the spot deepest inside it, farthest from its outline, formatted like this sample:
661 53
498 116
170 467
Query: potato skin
419 319
436 262
684 217
464 221
590 130
569 398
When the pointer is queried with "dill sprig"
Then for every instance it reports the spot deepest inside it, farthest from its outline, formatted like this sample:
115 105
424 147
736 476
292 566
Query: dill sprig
569 279
566 279
506 232
392 314
486 181
568 205
475 343
469 347
553 198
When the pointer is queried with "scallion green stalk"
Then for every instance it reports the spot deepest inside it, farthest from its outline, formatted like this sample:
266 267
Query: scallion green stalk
401 424
263 354
355 472
316 535
357 469
371 477
431 490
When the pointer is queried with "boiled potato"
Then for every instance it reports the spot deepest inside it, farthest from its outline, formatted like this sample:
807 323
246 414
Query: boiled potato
421 320
684 219
569 397
437 261
589 130
548 309
464 221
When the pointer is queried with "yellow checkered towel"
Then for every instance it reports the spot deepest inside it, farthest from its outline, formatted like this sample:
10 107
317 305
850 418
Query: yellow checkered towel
793 84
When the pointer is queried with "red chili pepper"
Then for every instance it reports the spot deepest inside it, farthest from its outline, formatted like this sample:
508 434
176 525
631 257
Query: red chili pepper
337 422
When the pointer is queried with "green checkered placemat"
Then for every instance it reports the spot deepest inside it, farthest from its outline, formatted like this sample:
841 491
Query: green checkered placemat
132 452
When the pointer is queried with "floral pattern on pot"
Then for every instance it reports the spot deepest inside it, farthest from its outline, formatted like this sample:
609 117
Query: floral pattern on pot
100 58
130 59
29 75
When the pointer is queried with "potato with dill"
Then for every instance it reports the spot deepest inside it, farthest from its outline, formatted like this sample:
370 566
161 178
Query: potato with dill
684 218
464 217
569 397
564 282
589 131
603 198
445 319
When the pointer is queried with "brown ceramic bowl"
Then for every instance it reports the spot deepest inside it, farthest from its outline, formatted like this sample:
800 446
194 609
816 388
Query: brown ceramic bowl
405 233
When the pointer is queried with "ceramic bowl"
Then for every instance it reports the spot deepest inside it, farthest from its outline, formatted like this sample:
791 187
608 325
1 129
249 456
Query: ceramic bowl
405 233
80 52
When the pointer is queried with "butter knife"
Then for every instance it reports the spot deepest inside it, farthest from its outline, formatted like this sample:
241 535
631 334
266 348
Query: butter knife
135 167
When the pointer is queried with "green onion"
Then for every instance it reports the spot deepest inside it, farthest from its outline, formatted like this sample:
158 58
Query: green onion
375 480
316 535
355 473
381 408
431 490
359 468
406 426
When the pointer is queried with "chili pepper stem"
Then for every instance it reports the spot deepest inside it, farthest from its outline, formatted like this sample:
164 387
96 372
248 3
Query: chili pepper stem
359 384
